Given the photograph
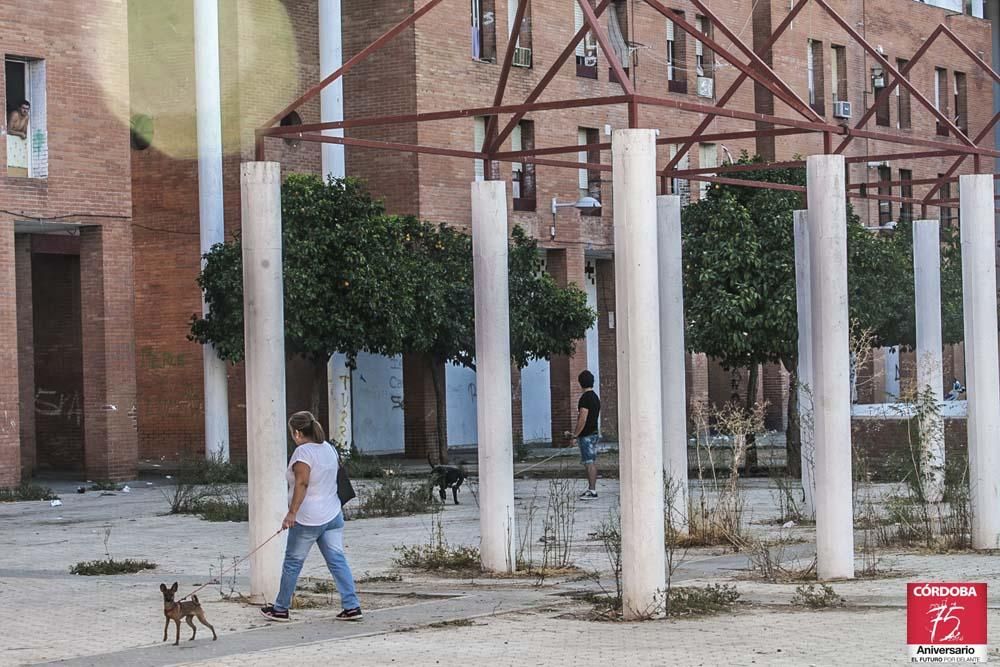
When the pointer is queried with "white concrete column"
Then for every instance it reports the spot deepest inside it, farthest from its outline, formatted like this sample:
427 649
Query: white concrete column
831 366
804 372
264 333
208 101
927 292
493 388
979 279
641 453
673 379
331 109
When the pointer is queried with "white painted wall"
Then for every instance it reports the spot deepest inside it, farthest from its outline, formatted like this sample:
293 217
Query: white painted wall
536 402
378 404
461 405
891 374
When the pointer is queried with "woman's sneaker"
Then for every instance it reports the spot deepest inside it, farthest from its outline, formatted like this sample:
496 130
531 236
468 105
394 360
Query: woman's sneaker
588 495
270 613
350 615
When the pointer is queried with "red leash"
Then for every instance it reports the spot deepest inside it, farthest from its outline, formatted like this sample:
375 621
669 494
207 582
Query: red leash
234 565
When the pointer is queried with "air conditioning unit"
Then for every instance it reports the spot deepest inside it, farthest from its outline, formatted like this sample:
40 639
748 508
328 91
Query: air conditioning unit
522 57
706 86
841 109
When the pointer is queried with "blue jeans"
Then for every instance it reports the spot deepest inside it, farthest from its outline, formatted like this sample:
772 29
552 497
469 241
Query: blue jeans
588 448
331 544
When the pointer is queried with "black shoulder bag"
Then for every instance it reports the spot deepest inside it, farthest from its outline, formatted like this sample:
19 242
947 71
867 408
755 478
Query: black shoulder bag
345 490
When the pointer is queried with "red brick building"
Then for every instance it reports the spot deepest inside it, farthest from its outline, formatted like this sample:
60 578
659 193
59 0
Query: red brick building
107 375
67 353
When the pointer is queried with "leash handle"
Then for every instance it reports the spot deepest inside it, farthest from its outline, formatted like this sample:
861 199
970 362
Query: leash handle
234 565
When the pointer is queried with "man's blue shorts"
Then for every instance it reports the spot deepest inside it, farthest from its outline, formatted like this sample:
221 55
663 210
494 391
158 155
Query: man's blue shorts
588 448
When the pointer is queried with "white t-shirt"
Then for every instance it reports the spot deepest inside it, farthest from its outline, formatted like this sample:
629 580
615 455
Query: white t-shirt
321 504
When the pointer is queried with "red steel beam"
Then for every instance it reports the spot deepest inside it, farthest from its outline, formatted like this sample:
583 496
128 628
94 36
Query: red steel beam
350 64
887 90
602 39
549 75
799 6
508 59
958 162
428 116
789 98
744 115
762 67
887 66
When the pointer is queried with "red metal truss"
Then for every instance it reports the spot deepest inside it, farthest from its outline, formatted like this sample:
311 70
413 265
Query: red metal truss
502 118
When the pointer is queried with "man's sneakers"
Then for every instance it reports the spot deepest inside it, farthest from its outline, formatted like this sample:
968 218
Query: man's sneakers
588 495
270 613
350 615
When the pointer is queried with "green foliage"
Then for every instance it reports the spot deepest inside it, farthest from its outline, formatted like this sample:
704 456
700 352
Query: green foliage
110 566
816 596
27 491
437 554
358 280
739 274
696 601
392 496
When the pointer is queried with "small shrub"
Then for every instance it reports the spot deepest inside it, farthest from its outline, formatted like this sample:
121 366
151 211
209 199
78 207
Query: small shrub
610 535
105 485
110 566
379 578
214 470
711 599
366 466
222 510
816 596
437 554
27 491
393 496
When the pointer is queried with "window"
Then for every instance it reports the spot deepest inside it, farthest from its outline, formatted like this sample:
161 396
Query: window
484 33
25 118
902 100
838 64
708 156
680 186
523 177
522 52
676 73
961 102
586 49
884 188
881 107
906 190
618 35
814 75
702 59
590 179
945 211
478 141
941 97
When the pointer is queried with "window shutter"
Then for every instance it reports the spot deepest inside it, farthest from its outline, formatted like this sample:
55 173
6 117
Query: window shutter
516 145
584 178
670 30
578 22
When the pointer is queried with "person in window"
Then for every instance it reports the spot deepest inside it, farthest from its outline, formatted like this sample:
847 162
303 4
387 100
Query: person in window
17 140
586 433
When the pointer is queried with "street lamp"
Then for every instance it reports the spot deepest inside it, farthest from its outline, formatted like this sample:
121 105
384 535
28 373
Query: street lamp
583 204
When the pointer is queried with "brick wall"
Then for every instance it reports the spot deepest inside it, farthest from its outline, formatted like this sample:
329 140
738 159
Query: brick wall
607 346
420 416
25 352
566 267
10 446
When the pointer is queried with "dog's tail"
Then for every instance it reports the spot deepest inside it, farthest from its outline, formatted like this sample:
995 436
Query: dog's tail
429 462
194 598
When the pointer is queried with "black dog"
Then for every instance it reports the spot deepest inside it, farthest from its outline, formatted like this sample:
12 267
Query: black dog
447 477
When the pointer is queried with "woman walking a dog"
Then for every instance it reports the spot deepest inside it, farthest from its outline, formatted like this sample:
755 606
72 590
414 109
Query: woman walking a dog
314 516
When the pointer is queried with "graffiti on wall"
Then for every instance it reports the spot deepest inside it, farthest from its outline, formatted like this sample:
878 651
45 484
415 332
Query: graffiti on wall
62 405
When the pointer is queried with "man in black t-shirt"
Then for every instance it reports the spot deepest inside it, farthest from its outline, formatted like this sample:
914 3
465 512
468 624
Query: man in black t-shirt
586 433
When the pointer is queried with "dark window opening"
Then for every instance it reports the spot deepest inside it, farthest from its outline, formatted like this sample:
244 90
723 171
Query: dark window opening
902 101
839 73
523 181
906 190
814 76
291 120
946 213
961 103
25 118
884 188
676 52
522 52
484 32
586 49
941 97
619 37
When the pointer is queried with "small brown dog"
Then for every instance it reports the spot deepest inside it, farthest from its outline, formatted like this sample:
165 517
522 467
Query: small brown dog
175 611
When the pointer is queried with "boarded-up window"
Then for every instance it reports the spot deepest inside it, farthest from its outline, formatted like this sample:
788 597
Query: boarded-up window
839 71
941 97
961 102
906 190
523 177
884 188
814 75
902 101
